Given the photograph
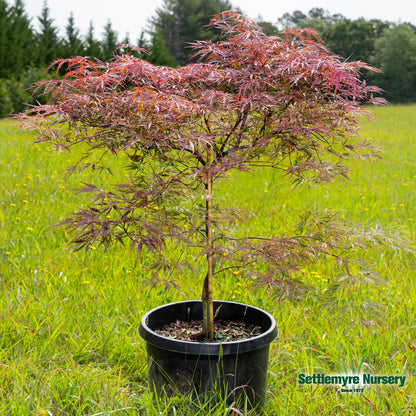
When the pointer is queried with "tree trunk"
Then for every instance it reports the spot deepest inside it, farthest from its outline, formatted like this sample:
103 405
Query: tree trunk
207 305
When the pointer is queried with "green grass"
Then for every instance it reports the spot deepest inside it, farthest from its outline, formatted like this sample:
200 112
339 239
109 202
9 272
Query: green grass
68 334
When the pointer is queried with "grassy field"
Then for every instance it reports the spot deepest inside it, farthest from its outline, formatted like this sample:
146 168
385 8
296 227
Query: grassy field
68 334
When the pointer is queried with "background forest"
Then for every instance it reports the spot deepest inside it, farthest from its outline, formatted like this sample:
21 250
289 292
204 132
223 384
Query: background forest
25 51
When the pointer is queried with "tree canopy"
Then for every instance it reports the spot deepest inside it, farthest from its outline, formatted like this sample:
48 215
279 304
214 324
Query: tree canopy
251 101
395 54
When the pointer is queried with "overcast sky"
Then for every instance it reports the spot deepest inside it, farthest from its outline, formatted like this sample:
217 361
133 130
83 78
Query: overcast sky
130 16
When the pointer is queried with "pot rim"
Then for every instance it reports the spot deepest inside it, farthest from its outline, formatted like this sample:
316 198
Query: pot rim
209 348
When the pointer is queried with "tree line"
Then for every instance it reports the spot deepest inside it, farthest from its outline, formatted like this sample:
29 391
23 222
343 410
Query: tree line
389 46
26 51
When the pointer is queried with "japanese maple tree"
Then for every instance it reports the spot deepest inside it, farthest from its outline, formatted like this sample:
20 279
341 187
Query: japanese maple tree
249 101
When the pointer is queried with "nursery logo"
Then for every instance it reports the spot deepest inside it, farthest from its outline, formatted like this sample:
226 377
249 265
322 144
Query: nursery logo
351 382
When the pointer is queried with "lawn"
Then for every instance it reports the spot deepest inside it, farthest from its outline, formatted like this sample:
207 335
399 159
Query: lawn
68 339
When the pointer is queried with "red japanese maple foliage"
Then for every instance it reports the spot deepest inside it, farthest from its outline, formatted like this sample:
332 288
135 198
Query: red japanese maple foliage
250 101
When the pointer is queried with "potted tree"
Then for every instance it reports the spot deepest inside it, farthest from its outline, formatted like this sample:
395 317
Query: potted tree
250 102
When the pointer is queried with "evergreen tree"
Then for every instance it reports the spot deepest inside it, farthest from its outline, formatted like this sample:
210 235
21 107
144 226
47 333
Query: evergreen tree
109 42
5 30
72 43
92 46
20 40
16 39
126 40
180 22
48 45
160 54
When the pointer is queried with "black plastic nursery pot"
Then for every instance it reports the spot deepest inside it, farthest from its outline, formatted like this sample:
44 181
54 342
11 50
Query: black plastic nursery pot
209 371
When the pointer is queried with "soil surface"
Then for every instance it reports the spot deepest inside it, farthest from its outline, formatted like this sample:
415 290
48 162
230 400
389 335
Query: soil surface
223 330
